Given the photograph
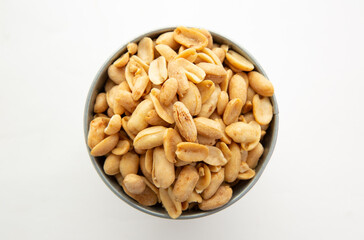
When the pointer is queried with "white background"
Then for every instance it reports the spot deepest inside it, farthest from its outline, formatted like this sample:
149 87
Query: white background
313 52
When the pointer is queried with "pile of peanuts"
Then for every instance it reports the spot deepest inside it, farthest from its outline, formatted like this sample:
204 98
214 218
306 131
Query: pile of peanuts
181 121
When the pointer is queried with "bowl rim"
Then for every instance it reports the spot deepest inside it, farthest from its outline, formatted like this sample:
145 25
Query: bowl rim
105 65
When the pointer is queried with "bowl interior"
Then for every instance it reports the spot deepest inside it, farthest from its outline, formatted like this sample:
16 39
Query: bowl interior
239 190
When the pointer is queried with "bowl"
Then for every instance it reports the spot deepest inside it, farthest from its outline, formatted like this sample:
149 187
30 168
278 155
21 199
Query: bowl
239 190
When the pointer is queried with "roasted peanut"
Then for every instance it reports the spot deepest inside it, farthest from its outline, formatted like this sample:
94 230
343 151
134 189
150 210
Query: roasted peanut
222 101
220 53
125 99
100 103
129 164
146 198
203 57
194 198
260 84
243 132
212 55
262 110
190 38
184 122
149 137
192 99
168 91
239 61
124 124
210 105
168 39
166 52
121 148
225 83
146 164
208 127
96 132
105 146
158 70
192 71
201 139
137 120
191 152
163 171
233 166
254 156
215 157
216 180
114 125
238 87
232 111
207 35
134 183
164 112
122 61
215 73
225 150
111 164
132 48
249 145
206 89
170 140
175 70
153 118
140 84
204 179
173 207
145 50
220 198
185 183
249 174
189 54
117 75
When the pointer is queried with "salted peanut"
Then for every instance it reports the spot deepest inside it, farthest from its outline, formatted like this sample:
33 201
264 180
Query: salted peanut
225 47
203 57
208 127
207 35
121 148
239 61
254 156
244 155
220 53
125 99
225 84
232 111
214 169
124 124
194 198
114 125
168 39
222 101
164 50
96 132
129 164
190 38
117 109
137 120
225 150
132 48
250 94
108 85
173 207
204 179
191 152
216 180
185 183
100 115
238 87
206 89
147 90
140 62
180 163
215 157
243 132
184 122
153 118
111 164
215 73
164 112
140 84
110 112
262 110
170 140
181 49
234 69
105 146
192 99
220 198
210 105
189 54
243 167
163 171
158 70
249 174
134 183
249 117
260 84
149 184
212 55
175 70
100 103
149 138
122 61
233 166
201 139
168 91
133 69
146 198
192 71
145 50
117 75
146 164
249 145
247 107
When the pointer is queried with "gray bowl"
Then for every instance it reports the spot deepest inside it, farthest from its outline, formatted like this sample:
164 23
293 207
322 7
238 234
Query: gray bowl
239 190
